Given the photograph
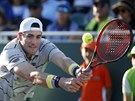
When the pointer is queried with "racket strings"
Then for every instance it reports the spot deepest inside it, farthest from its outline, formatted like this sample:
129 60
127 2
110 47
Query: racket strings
114 41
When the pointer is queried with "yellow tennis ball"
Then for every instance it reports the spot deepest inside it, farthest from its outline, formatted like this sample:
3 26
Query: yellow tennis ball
87 38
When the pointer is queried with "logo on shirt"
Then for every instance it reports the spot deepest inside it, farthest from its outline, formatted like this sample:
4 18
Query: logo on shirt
16 59
96 78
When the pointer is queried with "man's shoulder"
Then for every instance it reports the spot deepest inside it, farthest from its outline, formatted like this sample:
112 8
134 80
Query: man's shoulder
129 74
52 26
130 71
11 44
74 26
102 69
92 20
46 43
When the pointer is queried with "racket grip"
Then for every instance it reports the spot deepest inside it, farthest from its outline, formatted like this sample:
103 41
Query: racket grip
88 69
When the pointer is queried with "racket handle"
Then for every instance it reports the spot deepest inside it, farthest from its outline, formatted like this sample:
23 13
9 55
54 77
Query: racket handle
88 69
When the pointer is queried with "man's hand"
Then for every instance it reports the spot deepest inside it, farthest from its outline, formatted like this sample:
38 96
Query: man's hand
70 84
83 75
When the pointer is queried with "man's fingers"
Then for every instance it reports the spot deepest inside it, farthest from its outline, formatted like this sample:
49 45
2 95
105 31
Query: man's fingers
84 76
75 83
72 84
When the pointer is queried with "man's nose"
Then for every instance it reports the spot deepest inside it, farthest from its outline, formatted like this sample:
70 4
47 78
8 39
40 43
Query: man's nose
33 40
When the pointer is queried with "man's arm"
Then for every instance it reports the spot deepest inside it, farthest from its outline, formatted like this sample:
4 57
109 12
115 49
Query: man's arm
29 72
108 83
127 97
62 61
71 67
108 94
126 90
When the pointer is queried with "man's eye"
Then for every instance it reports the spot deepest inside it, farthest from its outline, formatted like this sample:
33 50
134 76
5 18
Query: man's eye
29 36
38 37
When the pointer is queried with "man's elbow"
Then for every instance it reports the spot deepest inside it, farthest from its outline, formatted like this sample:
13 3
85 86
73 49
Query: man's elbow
20 73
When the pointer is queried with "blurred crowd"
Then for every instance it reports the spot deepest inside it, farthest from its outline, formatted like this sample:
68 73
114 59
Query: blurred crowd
66 15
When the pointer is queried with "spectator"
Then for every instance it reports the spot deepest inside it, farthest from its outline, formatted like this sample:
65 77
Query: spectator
93 90
35 9
5 26
132 1
4 23
81 12
125 10
49 9
17 7
128 82
84 5
101 10
6 8
63 22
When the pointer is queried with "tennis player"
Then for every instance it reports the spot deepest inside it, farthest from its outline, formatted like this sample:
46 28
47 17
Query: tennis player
128 83
22 61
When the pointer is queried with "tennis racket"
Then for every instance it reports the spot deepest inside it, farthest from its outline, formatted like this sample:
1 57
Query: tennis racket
113 41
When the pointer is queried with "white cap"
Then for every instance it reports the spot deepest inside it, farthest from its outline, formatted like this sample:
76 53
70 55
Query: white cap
28 24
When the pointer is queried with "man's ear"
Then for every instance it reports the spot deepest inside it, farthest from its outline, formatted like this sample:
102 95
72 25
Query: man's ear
19 36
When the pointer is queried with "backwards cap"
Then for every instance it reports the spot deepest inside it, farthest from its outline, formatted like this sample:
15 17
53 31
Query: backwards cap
89 46
64 7
29 24
102 2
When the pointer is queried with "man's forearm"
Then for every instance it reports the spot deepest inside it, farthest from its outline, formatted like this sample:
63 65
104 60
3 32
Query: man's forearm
108 94
65 63
127 97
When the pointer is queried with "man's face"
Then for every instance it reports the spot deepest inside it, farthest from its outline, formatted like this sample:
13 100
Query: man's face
124 14
86 54
63 16
133 60
35 11
30 41
100 10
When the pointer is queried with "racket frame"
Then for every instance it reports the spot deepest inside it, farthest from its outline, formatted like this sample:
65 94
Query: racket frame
89 67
